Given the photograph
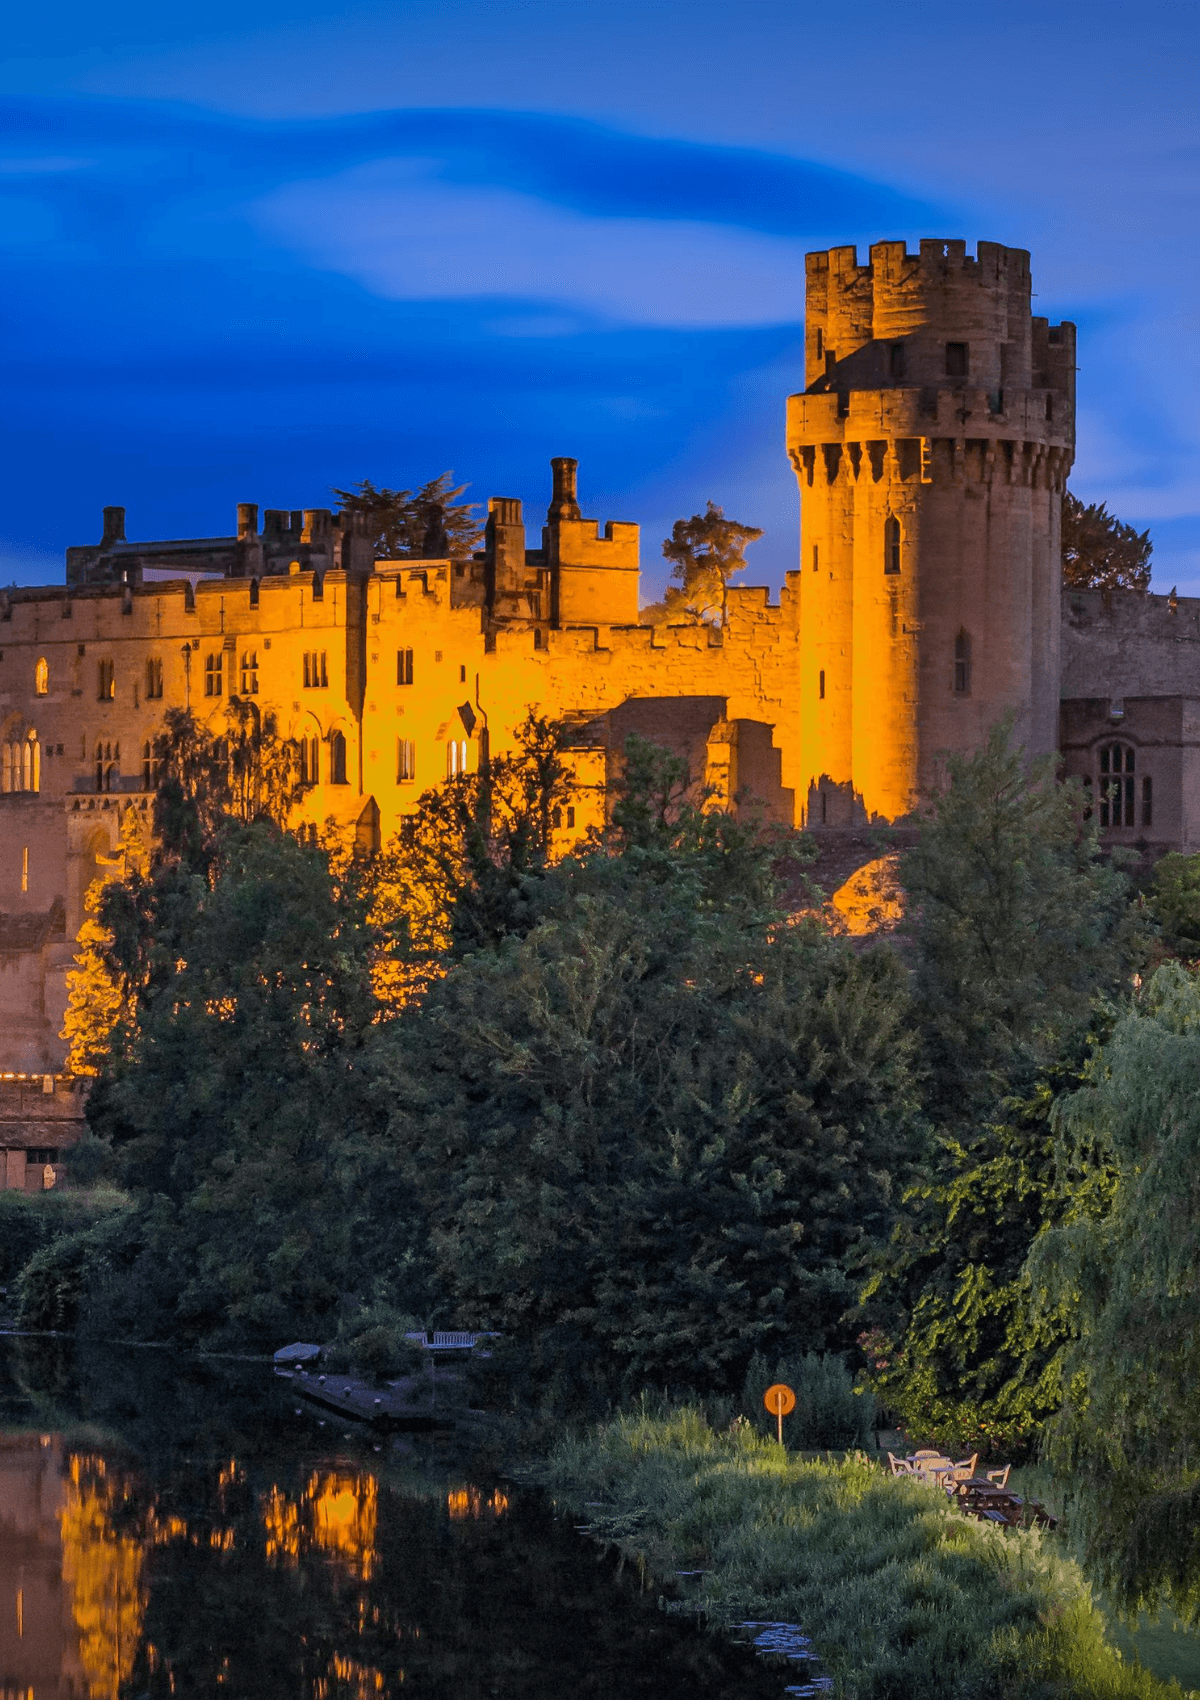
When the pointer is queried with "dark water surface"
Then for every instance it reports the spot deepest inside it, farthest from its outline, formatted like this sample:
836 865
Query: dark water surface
173 1527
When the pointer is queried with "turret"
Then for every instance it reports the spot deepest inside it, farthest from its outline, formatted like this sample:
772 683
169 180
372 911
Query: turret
932 443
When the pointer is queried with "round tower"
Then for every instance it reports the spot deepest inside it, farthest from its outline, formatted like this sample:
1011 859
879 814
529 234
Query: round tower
932 444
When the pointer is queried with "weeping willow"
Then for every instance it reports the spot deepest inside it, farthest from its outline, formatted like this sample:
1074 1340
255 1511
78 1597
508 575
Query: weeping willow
1128 1435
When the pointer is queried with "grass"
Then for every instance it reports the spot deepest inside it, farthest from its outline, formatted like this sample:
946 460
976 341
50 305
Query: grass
901 1594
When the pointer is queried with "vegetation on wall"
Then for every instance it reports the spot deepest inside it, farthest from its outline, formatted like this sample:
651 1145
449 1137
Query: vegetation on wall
425 524
706 552
1099 552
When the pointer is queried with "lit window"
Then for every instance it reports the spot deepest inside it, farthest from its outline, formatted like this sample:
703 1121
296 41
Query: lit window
21 764
337 759
406 760
404 666
891 544
456 758
315 671
962 665
250 672
25 868
106 681
41 677
1116 785
212 675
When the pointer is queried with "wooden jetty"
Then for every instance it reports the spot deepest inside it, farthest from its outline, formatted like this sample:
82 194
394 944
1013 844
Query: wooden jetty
411 1402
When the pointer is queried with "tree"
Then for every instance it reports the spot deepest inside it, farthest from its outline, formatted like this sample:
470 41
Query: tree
661 1126
1174 902
1101 553
99 998
1128 1272
459 877
1015 922
247 773
706 550
425 524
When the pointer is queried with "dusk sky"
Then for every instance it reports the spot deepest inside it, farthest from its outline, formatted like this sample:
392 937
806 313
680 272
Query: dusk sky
256 250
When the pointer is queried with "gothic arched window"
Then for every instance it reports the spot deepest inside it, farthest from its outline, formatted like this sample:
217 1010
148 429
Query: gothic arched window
962 664
41 677
1116 785
891 544
337 758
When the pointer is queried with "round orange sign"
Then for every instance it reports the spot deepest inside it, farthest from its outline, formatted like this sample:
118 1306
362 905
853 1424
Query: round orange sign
779 1399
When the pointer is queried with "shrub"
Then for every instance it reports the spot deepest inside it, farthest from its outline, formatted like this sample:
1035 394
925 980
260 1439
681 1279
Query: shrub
31 1221
830 1411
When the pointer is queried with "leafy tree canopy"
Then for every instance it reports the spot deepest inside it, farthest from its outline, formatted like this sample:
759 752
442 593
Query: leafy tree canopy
1101 553
1016 923
1128 1437
706 551
425 524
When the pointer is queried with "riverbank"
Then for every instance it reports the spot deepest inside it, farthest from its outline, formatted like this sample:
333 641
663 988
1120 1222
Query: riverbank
900 1594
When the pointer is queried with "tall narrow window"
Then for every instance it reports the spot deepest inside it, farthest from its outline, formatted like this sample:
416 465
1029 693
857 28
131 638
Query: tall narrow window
896 361
958 359
404 666
1116 785
406 761
816 556
820 344
1147 802
456 758
315 671
891 544
106 681
962 665
154 678
821 685
41 677
149 765
25 869
250 672
212 675
337 758
310 761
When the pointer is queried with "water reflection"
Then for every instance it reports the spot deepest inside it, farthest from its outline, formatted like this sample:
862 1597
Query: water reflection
173 1533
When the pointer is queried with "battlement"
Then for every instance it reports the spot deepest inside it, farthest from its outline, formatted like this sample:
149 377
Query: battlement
931 317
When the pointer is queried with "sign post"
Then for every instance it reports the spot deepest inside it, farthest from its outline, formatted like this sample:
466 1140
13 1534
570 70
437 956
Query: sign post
779 1400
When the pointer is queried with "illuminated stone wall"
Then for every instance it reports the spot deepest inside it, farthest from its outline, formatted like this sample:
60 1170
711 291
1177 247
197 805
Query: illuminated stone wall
932 444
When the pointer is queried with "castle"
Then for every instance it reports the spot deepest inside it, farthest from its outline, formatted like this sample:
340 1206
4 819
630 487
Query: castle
932 441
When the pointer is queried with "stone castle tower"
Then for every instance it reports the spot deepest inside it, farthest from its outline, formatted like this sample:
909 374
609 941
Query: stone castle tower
932 444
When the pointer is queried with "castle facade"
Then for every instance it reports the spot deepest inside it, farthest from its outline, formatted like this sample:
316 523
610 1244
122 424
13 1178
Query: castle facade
931 441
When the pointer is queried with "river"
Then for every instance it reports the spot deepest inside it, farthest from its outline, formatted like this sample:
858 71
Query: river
176 1527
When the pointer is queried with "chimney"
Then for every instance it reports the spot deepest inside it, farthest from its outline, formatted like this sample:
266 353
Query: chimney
247 520
114 525
564 504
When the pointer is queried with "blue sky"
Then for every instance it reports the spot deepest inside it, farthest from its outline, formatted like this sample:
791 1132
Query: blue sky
254 251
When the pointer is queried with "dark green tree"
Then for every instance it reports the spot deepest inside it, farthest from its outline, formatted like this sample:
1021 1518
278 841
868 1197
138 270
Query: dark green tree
1099 552
1015 924
705 552
1174 903
1127 1271
663 1126
424 524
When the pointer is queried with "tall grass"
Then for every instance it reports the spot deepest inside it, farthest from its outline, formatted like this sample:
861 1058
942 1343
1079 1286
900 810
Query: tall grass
900 1593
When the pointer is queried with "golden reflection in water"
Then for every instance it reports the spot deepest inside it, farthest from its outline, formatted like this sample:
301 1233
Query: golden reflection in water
102 1568
468 1502
336 1514
347 1679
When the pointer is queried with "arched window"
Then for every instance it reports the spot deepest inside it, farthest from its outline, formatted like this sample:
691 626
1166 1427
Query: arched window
891 544
962 664
310 760
337 759
41 677
1116 785
21 764
150 763
31 763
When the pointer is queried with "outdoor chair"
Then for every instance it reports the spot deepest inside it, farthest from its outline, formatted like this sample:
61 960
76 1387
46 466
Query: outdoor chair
900 1466
999 1478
